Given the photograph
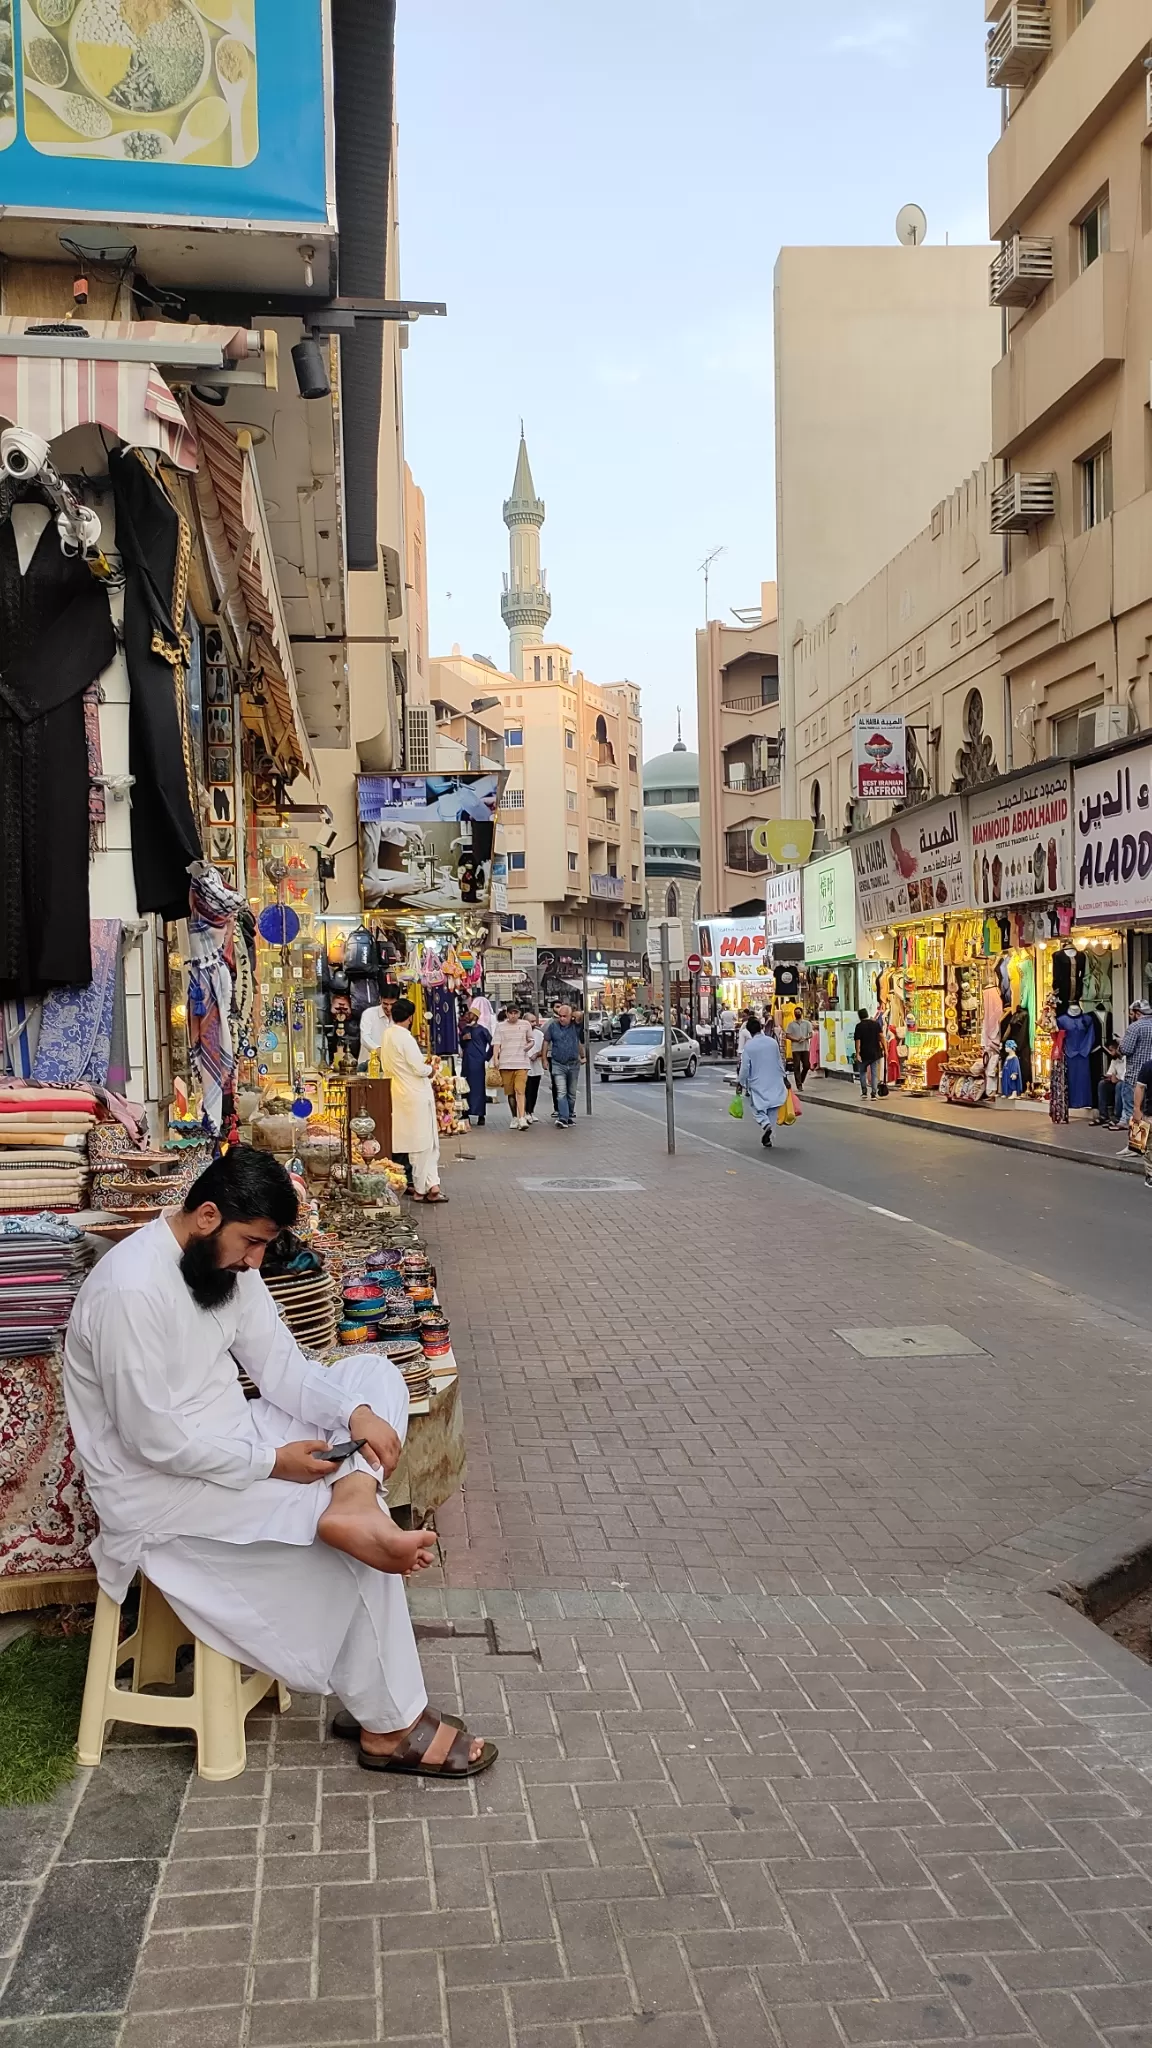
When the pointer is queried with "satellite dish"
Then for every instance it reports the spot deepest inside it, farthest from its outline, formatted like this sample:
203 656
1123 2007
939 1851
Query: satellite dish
911 226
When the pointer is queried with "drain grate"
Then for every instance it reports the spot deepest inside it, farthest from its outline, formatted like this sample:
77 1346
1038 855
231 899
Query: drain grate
586 1184
912 1340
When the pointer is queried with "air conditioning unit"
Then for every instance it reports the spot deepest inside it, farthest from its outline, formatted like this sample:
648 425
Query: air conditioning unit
1022 501
1019 43
418 730
1110 722
1024 268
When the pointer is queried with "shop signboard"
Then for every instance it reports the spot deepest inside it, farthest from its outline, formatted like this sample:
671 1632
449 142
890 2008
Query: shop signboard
880 759
174 112
734 947
1113 826
917 865
830 909
426 841
611 966
784 906
1020 834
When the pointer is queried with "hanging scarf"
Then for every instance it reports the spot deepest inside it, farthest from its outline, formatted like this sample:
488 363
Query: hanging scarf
212 914
76 1026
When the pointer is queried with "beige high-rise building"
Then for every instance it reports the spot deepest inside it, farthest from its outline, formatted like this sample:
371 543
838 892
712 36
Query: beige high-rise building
919 640
738 716
883 364
1070 202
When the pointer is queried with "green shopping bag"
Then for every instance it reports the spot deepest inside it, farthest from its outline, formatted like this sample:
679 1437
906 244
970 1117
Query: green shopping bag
736 1107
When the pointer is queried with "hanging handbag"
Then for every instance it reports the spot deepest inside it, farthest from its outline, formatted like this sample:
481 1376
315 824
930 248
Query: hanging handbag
883 1088
736 1108
1138 1135
788 1112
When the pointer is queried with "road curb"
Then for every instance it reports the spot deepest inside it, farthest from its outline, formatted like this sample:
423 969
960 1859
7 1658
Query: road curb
1129 1164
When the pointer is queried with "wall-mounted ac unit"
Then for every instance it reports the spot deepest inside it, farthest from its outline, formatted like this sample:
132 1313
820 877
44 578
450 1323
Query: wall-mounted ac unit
1024 268
1019 43
1110 723
418 730
1022 501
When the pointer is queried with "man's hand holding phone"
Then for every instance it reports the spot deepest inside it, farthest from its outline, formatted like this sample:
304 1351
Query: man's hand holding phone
305 1463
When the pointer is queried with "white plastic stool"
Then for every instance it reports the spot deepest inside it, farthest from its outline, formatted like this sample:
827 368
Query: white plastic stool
215 1710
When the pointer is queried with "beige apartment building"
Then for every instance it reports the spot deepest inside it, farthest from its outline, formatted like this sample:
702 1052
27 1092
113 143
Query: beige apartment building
918 640
883 365
739 723
1070 202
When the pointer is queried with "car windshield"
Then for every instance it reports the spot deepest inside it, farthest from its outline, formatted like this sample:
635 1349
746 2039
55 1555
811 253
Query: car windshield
642 1038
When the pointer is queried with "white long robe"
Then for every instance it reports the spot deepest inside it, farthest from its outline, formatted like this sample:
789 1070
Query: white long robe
178 1464
413 1103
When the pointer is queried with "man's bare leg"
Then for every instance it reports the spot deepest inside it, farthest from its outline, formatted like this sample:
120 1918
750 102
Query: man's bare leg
354 1522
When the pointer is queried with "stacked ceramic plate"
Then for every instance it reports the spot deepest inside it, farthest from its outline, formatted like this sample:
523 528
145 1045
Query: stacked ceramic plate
307 1303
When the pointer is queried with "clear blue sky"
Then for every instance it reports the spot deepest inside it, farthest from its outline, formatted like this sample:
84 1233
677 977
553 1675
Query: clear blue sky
599 189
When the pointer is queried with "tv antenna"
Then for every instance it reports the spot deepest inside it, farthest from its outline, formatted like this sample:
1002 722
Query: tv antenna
911 226
705 570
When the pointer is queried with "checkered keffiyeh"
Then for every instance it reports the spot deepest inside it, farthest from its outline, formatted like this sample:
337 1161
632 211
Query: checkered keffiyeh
212 915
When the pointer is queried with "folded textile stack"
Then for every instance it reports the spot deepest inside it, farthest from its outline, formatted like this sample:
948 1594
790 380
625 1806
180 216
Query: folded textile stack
42 1263
44 1148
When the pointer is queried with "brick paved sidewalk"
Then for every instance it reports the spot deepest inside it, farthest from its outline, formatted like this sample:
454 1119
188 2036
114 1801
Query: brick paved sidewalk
1021 1127
790 1754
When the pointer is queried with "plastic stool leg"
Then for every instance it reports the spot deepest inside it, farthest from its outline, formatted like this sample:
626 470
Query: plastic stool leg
160 1633
220 1745
100 1681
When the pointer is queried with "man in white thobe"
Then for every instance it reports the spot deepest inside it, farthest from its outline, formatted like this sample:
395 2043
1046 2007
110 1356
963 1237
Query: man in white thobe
269 1549
374 1023
414 1127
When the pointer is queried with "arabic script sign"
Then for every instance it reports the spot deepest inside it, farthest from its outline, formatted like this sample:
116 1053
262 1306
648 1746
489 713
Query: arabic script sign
915 866
880 758
1021 838
784 906
1114 838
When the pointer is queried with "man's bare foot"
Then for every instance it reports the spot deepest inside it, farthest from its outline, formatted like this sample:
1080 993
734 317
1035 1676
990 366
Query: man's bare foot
437 1750
366 1532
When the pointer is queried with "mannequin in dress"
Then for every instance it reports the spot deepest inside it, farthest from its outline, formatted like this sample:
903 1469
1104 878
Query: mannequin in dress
1079 1040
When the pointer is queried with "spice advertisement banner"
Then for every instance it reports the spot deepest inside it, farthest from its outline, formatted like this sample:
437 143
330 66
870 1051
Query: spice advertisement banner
917 865
880 758
1021 838
1113 826
162 109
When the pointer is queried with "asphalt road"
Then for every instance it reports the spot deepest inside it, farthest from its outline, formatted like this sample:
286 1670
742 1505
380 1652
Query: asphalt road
1078 1225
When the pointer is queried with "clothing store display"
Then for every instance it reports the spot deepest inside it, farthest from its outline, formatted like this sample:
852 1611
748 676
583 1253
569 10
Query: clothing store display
78 1025
1058 1082
1068 971
443 1023
211 910
155 545
1017 1025
1011 1079
56 638
1079 1034
993 1017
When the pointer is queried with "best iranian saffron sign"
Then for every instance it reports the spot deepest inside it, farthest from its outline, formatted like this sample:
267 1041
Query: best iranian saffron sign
880 759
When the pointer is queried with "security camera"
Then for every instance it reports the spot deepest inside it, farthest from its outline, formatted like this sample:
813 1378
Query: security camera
79 530
23 455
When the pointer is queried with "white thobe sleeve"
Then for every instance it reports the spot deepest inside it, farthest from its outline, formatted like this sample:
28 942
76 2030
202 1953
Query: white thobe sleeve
410 1057
130 1349
270 1355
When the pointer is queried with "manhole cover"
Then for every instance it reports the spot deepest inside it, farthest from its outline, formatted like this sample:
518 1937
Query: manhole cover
587 1184
912 1340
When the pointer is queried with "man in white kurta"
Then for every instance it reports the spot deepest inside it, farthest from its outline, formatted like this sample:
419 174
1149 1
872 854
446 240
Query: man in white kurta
414 1127
269 1551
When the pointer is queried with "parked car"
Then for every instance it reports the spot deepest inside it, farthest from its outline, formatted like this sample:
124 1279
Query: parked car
639 1055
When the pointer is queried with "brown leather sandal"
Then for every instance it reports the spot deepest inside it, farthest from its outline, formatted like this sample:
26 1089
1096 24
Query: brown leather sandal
408 1759
347 1727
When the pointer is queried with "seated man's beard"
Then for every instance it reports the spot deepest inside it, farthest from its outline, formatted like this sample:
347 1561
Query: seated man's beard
209 1283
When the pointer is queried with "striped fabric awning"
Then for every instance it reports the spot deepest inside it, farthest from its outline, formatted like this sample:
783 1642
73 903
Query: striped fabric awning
48 395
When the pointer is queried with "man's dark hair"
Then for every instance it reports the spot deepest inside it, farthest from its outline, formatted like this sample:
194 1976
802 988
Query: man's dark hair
752 1025
402 1010
390 993
863 1016
246 1185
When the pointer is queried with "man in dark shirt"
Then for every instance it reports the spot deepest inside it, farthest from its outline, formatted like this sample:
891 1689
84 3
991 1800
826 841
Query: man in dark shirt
563 1054
869 1054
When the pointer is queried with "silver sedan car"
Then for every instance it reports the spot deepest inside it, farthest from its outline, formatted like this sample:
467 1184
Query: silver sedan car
639 1055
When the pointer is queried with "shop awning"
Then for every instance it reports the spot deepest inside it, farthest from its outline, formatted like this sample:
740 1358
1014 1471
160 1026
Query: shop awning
240 549
60 374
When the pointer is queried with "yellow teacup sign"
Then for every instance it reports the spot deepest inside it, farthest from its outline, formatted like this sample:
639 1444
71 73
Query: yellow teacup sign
787 842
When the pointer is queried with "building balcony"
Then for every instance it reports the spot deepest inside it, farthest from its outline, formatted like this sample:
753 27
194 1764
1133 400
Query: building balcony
764 778
1019 43
603 774
749 704
1078 340
1024 268
1076 96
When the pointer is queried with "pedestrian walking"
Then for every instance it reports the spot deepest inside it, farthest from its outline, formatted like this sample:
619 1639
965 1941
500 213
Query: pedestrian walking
1136 1048
535 1066
512 1052
763 1078
798 1035
869 1063
475 1053
414 1126
563 1054
727 1024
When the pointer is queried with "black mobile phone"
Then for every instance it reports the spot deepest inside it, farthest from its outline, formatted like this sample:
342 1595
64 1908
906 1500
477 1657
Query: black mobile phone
339 1452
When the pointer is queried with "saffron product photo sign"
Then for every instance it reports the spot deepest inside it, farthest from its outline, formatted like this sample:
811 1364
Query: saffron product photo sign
1021 838
1113 825
917 865
880 758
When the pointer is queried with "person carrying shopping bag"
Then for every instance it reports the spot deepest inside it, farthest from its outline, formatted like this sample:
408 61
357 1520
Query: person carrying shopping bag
763 1078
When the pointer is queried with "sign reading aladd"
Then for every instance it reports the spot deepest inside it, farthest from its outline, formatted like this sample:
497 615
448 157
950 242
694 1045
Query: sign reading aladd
1114 838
